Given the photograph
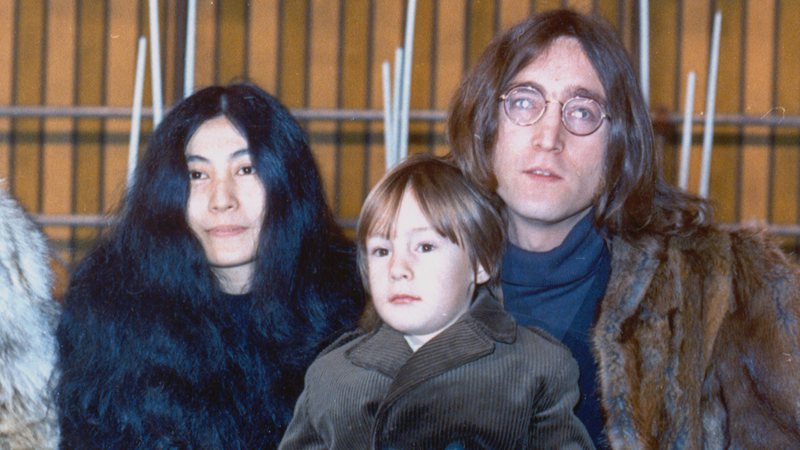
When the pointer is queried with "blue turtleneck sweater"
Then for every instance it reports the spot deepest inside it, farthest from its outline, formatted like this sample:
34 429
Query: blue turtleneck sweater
559 291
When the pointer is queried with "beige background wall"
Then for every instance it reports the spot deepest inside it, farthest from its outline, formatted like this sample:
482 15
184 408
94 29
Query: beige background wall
326 54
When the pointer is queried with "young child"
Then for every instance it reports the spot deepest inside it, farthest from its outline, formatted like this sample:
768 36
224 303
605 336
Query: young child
444 366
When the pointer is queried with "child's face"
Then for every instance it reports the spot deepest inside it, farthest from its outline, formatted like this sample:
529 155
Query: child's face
420 281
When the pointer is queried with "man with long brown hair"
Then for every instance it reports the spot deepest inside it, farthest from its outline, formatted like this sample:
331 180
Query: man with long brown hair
687 335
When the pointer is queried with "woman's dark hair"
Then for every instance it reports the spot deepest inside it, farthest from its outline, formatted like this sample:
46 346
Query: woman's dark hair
298 225
151 354
635 198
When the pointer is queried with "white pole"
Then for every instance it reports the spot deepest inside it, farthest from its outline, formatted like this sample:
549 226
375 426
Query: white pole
388 120
136 114
398 70
408 51
188 65
644 51
686 138
711 98
155 63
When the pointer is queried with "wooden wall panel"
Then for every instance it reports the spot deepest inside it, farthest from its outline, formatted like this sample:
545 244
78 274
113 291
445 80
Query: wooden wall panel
264 41
59 91
387 35
481 28
694 46
786 188
7 43
355 85
327 54
512 12
450 61
89 140
726 167
205 44
294 35
232 47
420 133
758 82
26 159
120 82
323 76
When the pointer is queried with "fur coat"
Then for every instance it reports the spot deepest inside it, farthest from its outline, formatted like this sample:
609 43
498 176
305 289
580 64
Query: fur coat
28 316
145 370
698 344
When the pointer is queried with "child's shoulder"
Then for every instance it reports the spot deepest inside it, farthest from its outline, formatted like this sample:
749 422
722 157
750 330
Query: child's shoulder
541 341
341 342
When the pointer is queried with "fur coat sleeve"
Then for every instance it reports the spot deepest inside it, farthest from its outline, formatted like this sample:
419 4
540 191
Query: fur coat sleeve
28 316
698 344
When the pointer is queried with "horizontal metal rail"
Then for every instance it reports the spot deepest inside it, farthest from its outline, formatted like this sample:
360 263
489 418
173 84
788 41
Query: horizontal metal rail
422 115
99 221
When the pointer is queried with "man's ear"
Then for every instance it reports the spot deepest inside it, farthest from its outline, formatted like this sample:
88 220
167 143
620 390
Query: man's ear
481 275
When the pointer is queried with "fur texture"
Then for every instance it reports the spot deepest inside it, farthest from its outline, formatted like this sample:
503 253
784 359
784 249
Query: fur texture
698 344
28 316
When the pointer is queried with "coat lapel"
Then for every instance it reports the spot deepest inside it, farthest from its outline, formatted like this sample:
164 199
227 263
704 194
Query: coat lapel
632 269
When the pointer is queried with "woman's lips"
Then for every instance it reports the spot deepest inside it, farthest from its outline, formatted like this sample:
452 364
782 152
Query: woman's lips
403 299
226 230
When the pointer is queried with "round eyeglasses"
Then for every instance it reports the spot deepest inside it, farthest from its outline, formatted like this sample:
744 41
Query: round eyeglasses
525 105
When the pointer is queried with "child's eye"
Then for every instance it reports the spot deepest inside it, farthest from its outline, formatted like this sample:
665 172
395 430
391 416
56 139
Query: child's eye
247 170
425 247
379 252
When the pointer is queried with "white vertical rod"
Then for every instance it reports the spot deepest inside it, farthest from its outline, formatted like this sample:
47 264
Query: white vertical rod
398 70
408 51
136 113
188 66
388 121
644 50
686 138
155 63
711 98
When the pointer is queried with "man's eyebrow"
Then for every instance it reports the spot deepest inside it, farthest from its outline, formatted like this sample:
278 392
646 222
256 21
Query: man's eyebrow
571 90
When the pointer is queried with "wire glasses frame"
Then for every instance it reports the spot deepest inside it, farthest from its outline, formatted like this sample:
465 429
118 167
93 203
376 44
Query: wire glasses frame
525 105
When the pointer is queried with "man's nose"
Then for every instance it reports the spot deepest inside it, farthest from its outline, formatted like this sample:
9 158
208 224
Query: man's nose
547 131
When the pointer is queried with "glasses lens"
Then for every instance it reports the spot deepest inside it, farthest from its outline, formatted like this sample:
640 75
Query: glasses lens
582 116
524 105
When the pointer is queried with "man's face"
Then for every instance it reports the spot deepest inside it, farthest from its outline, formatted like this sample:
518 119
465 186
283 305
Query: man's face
547 176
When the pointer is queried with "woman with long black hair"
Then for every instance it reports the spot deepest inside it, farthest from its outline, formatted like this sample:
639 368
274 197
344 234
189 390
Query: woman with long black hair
192 322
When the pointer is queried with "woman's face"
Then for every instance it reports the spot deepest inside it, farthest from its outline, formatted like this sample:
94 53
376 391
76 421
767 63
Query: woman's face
227 202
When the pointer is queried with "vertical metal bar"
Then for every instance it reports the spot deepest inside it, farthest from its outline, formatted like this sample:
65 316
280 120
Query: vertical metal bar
337 133
12 135
741 108
365 174
217 38
307 56
73 235
279 52
246 40
104 99
39 207
774 101
431 138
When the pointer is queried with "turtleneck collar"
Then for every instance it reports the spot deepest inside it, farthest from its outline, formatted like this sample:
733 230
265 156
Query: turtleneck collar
574 260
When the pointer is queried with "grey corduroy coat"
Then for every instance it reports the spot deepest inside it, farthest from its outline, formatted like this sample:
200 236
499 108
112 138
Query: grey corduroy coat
484 382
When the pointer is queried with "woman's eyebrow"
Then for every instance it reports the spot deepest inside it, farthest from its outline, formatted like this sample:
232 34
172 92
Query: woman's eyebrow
237 154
